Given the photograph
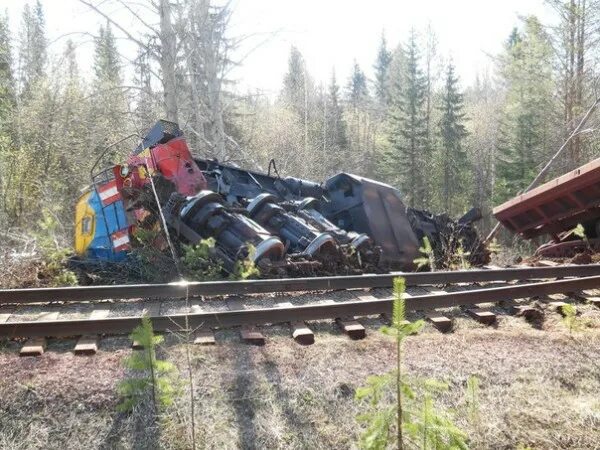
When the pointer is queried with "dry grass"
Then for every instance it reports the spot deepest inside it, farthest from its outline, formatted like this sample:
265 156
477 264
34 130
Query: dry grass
539 388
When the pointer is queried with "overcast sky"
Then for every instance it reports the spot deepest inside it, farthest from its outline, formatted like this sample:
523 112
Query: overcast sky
329 33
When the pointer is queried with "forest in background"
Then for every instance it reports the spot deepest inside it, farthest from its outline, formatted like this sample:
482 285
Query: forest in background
446 145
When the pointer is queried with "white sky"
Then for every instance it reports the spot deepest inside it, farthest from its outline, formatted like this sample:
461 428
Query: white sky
329 33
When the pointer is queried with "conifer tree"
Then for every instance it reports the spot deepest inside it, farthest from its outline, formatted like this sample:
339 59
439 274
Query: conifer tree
381 68
148 106
453 159
32 46
109 104
336 140
107 66
295 83
526 69
72 122
7 93
357 92
407 156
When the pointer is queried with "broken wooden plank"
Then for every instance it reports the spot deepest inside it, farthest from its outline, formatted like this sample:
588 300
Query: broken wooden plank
440 322
34 347
302 334
86 345
482 316
204 336
352 328
251 335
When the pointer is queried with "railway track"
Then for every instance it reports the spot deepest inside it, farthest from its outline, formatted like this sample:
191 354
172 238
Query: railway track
41 313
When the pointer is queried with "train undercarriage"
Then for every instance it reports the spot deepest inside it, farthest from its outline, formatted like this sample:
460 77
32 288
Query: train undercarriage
284 225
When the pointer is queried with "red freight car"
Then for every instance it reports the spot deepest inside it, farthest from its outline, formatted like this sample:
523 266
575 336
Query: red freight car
555 208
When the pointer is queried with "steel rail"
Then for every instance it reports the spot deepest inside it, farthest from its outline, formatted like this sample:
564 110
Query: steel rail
213 288
175 322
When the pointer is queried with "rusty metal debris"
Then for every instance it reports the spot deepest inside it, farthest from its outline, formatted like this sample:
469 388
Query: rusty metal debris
556 208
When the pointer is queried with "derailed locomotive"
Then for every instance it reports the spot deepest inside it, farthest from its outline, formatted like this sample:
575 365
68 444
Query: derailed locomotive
279 222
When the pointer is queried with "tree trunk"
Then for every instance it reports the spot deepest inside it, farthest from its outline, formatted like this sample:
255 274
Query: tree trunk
168 60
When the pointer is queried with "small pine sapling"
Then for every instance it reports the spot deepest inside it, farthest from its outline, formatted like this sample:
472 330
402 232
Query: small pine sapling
154 377
570 318
431 427
461 258
381 420
494 247
412 414
428 257
400 329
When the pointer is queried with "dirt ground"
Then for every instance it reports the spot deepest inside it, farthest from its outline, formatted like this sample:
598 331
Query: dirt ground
539 388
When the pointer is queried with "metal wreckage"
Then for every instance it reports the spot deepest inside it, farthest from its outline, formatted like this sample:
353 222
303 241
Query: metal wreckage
287 226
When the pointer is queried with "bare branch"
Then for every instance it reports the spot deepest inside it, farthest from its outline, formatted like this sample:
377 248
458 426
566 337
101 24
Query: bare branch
137 16
116 24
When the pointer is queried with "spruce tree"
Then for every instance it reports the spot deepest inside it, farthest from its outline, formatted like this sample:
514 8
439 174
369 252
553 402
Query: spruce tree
147 107
109 104
526 70
295 83
408 156
381 68
357 92
32 47
107 66
453 159
335 127
7 93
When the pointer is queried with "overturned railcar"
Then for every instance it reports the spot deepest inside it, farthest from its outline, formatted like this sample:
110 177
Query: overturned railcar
347 220
554 209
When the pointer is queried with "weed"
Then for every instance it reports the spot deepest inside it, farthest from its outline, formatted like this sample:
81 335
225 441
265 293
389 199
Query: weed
54 256
473 399
579 231
55 262
245 268
149 258
198 262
